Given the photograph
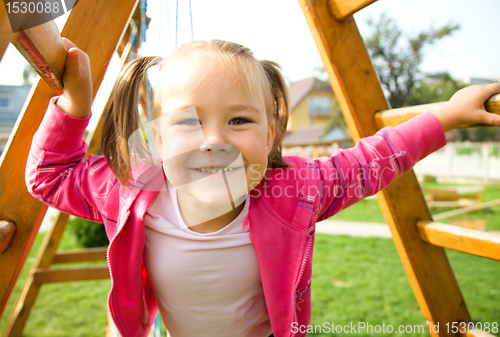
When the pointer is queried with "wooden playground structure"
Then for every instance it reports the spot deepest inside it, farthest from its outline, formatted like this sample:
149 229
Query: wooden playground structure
101 28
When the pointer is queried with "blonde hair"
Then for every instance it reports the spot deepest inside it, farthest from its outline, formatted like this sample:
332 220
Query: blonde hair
122 115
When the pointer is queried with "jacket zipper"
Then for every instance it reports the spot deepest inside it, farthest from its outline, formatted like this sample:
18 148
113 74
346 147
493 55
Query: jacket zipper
108 258
304 262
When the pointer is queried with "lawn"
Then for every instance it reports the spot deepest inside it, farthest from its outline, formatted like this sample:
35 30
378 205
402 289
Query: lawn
63 309
363 280
367 210
354 280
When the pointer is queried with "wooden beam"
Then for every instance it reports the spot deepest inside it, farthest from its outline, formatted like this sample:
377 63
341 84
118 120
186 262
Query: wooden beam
393 117
83 255
44 50
70 274
7 229
342 9
90 19
31 289
493 104
466 240
359 94
47 254
467 209
6 34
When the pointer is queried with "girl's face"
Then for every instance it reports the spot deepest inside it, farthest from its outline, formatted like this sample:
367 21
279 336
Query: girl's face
213 136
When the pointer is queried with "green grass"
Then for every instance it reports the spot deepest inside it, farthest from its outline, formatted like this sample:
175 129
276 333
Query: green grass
354 280
368 210
363 280
63 309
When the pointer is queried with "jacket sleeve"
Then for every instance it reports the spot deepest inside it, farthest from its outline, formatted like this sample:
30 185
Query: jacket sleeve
56 173
353 174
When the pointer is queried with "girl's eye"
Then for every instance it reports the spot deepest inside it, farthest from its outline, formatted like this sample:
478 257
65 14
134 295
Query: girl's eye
239 121
189 122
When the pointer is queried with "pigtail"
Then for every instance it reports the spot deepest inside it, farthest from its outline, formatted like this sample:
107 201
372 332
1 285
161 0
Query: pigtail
121 117
280 111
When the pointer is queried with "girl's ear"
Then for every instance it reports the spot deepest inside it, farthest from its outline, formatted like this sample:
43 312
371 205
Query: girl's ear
270 137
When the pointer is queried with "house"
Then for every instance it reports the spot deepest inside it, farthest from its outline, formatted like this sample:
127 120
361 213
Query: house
12 98
312 103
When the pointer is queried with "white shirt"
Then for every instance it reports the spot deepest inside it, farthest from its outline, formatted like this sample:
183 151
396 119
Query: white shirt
205 284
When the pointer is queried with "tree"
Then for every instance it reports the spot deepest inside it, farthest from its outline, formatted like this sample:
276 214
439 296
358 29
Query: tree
439 88
435 88
397 62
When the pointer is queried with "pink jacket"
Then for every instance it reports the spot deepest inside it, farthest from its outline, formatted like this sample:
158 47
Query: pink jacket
284 209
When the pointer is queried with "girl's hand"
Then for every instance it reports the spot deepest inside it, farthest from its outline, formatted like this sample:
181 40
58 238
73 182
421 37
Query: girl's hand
77 97
467 107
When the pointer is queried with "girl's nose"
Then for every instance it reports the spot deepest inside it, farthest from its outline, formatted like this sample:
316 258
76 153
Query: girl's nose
218 148
215 141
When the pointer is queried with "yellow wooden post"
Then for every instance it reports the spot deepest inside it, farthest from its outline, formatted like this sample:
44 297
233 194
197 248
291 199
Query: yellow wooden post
5 30
89 27
47 254
43 48
342 8
359 94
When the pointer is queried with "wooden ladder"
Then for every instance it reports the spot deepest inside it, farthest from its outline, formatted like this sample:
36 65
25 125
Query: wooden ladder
419 240
43 49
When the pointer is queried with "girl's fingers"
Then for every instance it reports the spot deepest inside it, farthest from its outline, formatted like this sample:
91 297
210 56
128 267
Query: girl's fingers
73 53
72 59
492 119
75 58
488 91
73 62
491 89
68 44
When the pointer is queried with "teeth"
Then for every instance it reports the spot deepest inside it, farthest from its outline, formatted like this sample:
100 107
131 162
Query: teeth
219 170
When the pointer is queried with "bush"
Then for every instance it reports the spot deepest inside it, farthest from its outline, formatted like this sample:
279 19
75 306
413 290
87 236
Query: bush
463 150
88 233
495 151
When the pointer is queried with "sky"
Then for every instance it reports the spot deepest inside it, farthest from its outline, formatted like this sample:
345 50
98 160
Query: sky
277 30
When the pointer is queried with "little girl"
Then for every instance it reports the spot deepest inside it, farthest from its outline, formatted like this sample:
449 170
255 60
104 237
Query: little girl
211 225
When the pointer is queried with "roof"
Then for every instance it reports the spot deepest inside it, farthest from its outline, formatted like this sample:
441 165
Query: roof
300 89
305 134
336 134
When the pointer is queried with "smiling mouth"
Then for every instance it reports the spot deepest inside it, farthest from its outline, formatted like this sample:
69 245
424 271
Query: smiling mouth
215 170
